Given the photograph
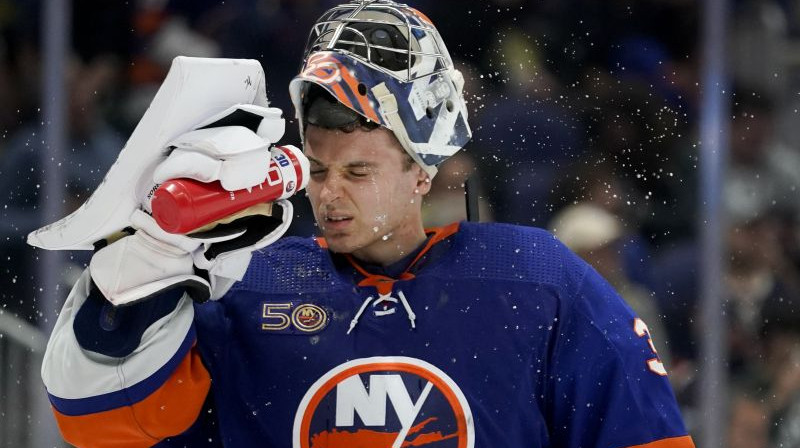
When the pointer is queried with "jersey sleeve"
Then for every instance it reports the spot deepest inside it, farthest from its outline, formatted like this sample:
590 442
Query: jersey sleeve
607 387
155 391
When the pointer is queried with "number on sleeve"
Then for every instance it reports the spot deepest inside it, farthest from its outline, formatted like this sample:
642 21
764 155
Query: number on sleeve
654 364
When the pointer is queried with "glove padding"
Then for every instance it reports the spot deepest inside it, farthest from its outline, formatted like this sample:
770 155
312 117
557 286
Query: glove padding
236 152
227 248
232 147
139 266
206 264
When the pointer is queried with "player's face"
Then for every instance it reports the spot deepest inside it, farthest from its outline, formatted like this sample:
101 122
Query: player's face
366 200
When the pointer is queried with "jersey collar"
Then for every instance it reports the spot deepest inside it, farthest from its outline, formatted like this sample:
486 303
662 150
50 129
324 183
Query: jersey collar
383 278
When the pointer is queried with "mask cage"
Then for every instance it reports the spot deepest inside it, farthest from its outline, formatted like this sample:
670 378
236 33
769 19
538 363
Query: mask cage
338 30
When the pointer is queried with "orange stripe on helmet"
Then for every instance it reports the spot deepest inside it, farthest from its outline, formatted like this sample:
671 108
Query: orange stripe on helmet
363 100
168 411
420 16
315 72
318 62
341 95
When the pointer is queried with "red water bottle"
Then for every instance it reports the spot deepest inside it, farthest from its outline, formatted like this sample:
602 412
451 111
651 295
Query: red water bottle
183 205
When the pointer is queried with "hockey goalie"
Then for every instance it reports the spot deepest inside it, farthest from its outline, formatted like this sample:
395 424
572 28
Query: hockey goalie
379 332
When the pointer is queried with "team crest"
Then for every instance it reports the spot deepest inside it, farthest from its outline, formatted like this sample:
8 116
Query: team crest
390 402
293 318
309 318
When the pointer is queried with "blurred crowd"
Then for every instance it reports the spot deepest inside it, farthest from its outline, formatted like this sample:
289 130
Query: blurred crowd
585 116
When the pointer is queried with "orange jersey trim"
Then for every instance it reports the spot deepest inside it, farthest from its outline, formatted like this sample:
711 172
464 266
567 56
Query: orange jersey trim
673 442
439 234
168 411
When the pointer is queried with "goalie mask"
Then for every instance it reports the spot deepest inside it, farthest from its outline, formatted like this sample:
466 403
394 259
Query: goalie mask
386 62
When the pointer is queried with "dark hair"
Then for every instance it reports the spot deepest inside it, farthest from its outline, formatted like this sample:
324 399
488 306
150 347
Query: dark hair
321 109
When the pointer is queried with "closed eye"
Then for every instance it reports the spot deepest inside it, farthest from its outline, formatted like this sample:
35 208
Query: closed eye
360 169
317 173
360 173
317 167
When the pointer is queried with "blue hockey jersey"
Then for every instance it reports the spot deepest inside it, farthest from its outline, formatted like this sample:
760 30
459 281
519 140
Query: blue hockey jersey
495 336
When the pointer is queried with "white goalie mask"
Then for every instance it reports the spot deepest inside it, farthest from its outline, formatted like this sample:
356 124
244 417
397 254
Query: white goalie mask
387 62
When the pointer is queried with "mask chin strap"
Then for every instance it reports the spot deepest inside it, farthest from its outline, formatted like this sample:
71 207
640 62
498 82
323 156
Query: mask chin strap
389 109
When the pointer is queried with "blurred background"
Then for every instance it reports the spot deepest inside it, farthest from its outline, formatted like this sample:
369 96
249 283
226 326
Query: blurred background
588 120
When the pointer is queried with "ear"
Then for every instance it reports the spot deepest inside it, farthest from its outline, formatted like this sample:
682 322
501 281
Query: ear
423 185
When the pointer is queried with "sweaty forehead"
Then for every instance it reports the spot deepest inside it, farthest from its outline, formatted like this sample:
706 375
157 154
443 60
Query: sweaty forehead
329 146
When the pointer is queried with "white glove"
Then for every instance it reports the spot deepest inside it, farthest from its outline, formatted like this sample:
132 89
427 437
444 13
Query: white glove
142 265
151 260
232 148
234 152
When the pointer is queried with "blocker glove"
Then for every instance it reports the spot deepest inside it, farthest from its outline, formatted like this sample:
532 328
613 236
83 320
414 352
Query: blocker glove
146 263
233 148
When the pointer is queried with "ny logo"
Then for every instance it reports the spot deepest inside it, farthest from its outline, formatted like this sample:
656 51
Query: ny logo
352 397
369 387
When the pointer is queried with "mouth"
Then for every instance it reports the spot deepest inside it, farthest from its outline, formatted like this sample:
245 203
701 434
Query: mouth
336 221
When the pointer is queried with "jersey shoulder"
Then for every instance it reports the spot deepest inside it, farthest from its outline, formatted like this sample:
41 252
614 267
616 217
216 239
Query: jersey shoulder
513 253
290 265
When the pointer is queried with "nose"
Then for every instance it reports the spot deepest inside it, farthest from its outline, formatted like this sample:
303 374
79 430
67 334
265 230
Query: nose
330 188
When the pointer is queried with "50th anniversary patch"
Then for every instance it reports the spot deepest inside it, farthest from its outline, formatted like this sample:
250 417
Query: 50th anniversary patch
293 317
